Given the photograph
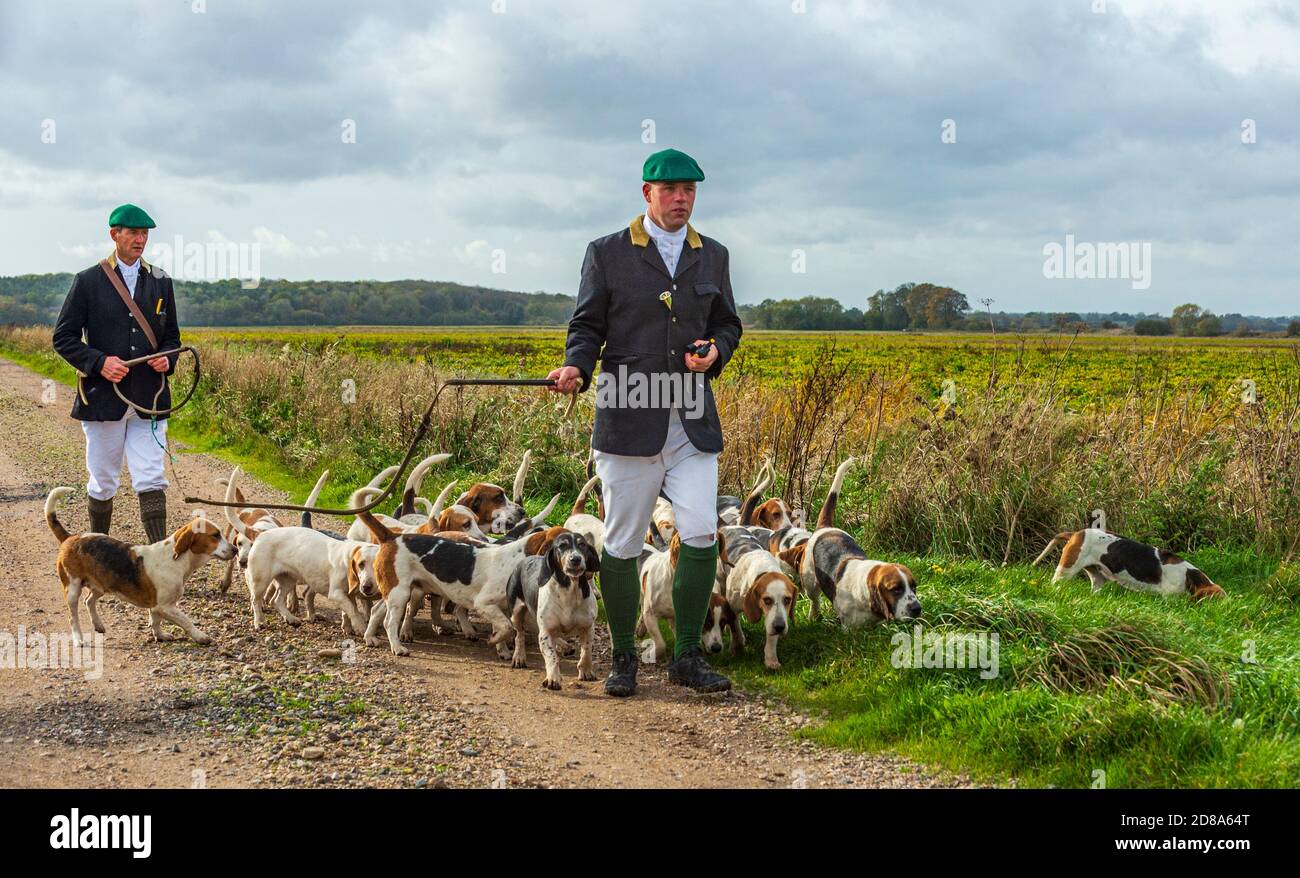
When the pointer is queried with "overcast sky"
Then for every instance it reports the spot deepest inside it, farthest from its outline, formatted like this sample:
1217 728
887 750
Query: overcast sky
521 134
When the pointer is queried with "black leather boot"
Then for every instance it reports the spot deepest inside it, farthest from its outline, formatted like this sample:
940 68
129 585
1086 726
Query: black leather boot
153 514
621 681
693 671
101 514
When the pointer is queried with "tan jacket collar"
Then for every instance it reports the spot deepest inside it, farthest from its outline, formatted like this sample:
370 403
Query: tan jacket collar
112 261
640 237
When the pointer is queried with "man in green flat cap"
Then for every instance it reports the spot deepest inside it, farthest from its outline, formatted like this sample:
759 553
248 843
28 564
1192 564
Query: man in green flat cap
655 307
120 310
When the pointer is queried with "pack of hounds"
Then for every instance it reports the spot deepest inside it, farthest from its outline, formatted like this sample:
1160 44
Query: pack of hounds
486 569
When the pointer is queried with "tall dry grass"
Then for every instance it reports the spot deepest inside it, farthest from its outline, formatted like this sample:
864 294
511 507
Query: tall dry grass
992 476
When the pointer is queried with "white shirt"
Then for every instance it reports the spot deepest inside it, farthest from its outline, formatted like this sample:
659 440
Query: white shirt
130 274
669 243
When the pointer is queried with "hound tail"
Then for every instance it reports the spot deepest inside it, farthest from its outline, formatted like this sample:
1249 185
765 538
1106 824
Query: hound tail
1052 544
362 495
382 476
231 491
599 494
376 527
518 495
580 505
766 477
60 532
540 518
312 497
239 495
826 518
416 479
441 503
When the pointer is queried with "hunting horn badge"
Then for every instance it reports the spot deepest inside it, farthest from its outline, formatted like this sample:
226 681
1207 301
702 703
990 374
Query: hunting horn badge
667 298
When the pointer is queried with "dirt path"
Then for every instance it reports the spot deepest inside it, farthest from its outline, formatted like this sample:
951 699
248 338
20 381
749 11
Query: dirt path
281 707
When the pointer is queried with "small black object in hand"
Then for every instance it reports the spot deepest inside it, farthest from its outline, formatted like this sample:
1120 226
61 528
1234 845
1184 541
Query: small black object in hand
699 350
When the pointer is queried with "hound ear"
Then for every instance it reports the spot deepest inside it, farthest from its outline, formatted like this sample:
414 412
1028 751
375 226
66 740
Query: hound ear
183 542
722 546
553 564
539 543
793 557
878 603
1208 591
593 558
753 610
354 579
675 550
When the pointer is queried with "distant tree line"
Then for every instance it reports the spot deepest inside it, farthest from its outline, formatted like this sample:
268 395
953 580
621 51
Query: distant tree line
30 299
37 299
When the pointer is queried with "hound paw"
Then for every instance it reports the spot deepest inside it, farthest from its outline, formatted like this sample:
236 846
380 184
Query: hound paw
772 665
586 675
518 663
553 685
374 641
401 650
202 639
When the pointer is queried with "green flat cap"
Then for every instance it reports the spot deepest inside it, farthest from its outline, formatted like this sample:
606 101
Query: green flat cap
669 165
131 217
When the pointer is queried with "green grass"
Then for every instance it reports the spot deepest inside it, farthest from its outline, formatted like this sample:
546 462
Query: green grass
1153 691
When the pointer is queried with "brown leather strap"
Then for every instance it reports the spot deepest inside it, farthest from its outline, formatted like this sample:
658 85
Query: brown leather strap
130 303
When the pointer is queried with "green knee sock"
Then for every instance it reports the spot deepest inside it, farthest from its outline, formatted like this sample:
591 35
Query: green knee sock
692 585
621 591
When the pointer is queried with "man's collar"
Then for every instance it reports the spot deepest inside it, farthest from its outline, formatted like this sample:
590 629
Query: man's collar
113 263
641 238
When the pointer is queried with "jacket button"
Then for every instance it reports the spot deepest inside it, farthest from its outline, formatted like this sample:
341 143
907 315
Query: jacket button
674 286
670 351
674 320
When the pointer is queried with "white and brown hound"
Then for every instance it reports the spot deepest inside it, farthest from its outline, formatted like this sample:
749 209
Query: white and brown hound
553 588
151 577
412 565
285 557
862 590
592 527
657 572
1107 556
758 588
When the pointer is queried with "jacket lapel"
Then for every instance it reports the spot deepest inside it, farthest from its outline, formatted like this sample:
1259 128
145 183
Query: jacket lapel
690 254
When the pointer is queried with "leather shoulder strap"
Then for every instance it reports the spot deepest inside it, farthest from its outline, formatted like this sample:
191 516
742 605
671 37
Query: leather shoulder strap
129 302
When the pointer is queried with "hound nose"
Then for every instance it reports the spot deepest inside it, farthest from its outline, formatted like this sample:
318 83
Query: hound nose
778 628
916 610
717 647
